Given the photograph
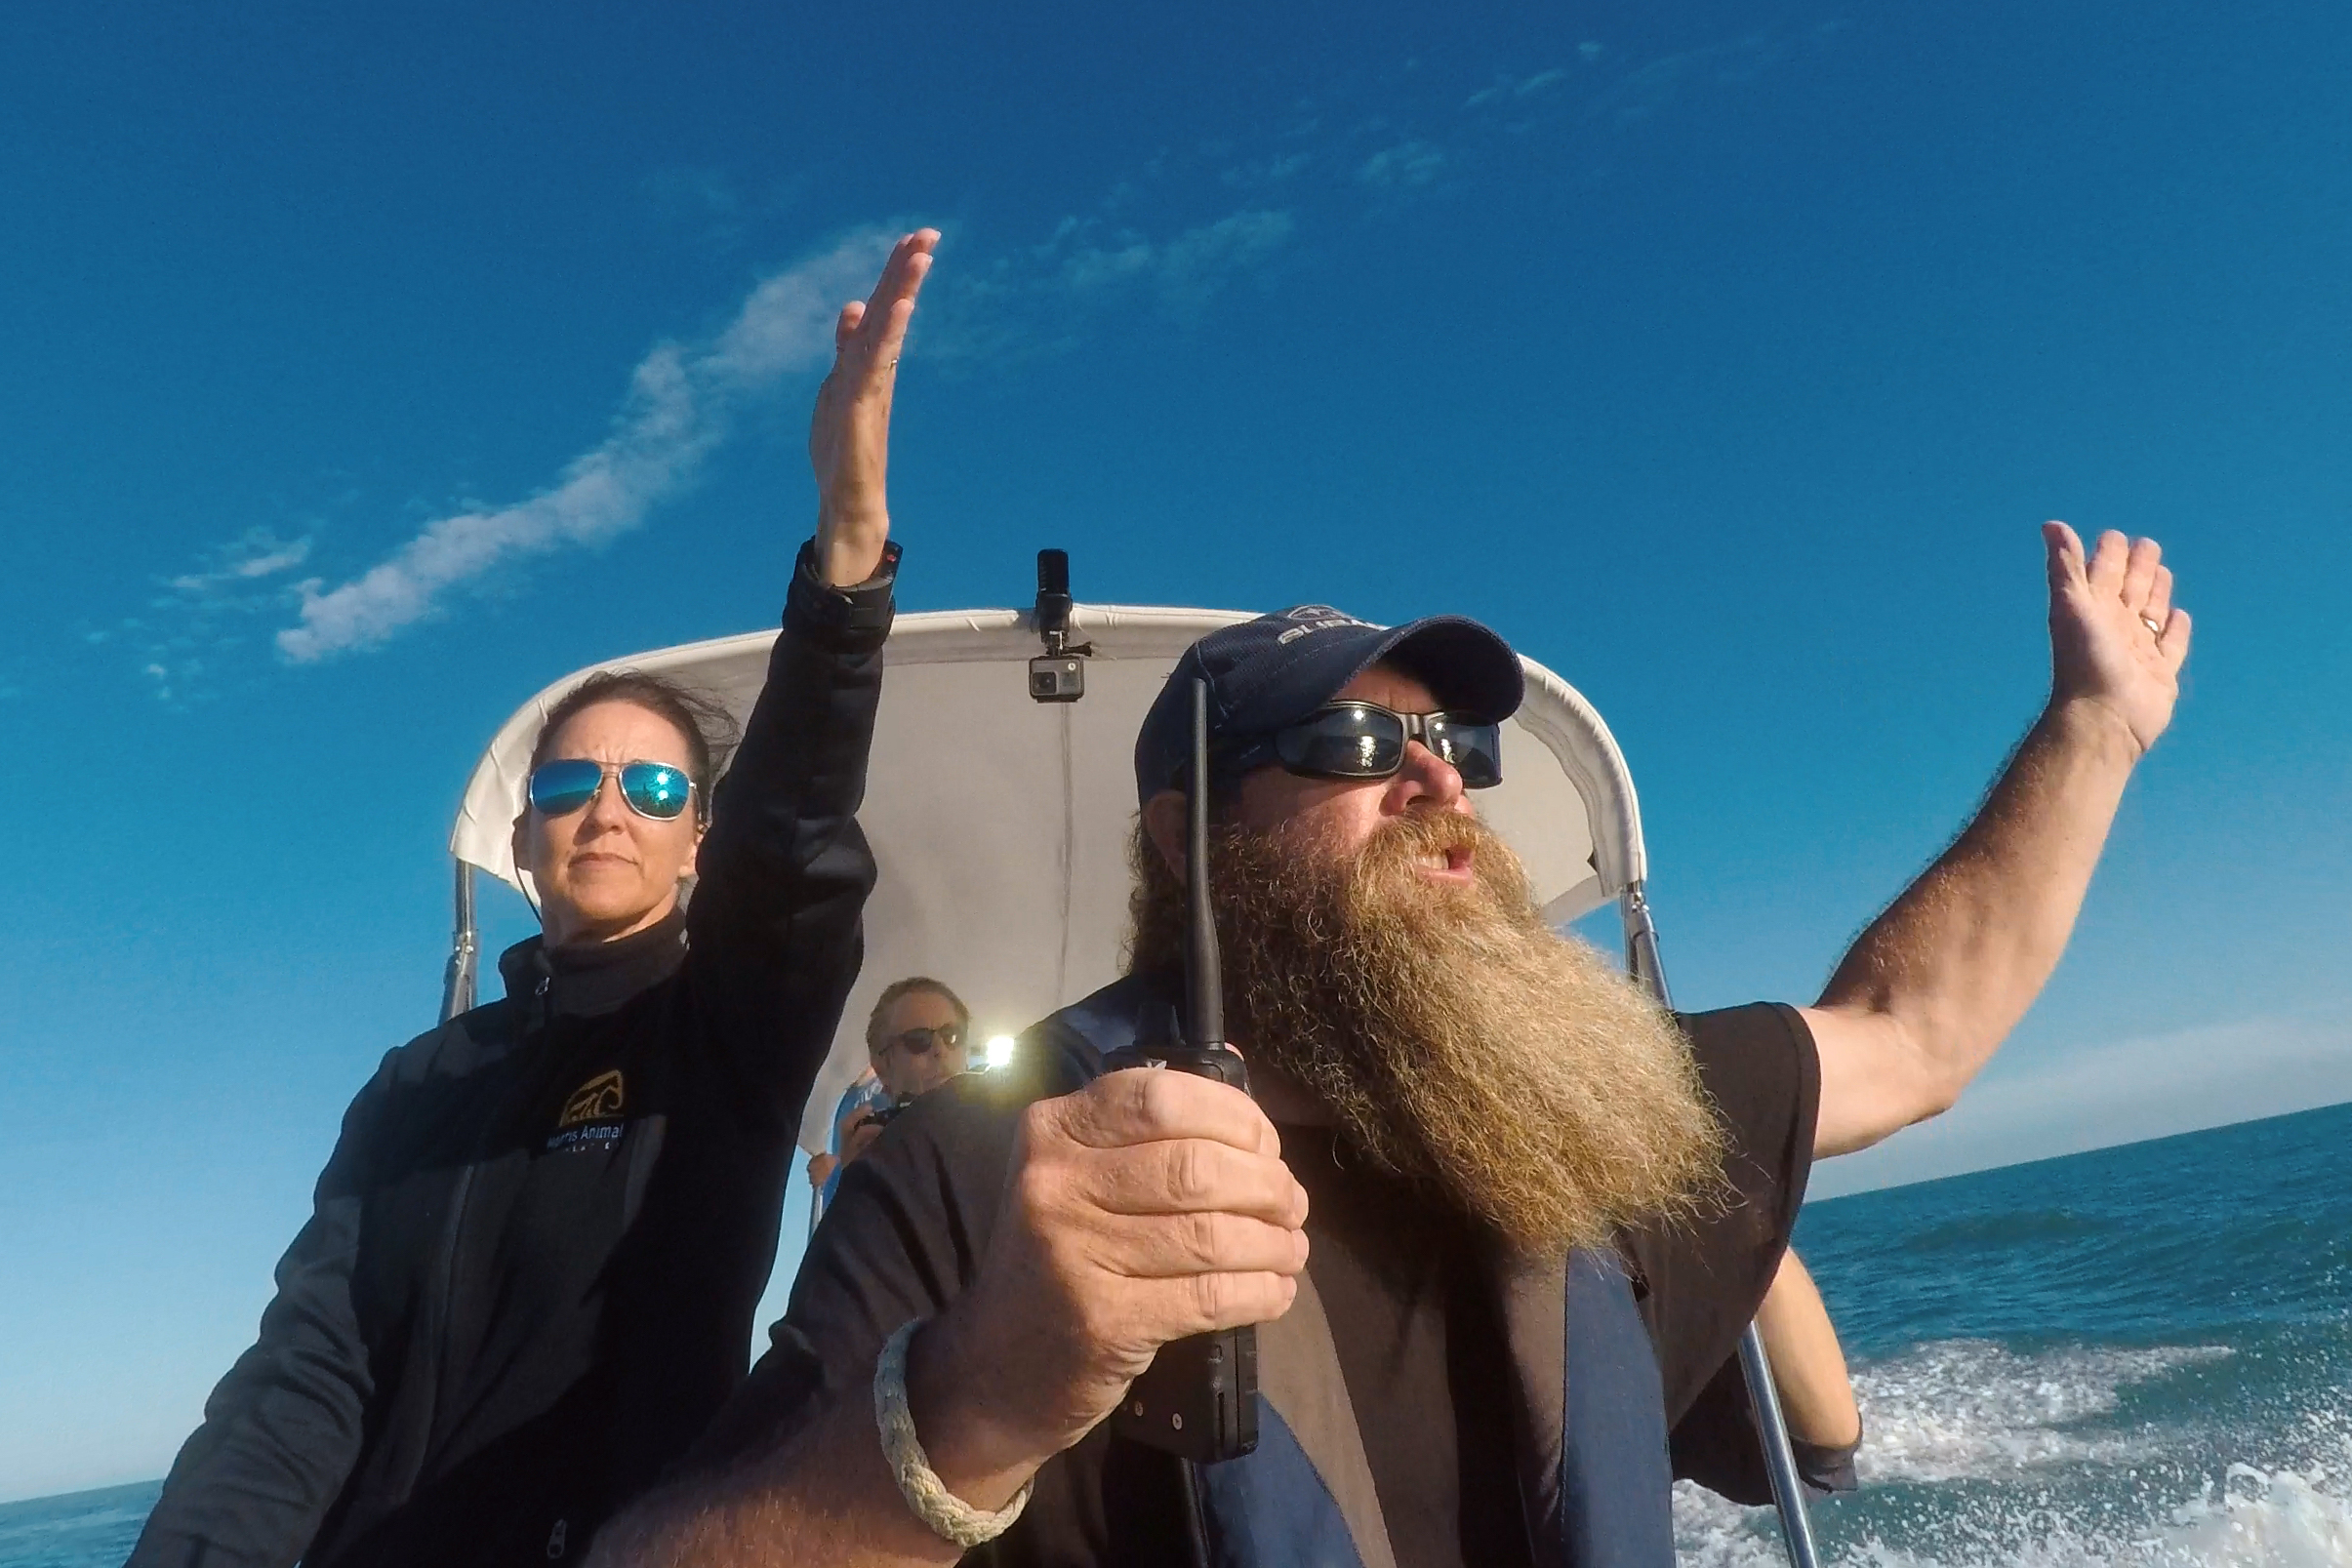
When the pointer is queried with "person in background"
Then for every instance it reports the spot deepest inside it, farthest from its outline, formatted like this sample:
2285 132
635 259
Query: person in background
530 1275
915 1040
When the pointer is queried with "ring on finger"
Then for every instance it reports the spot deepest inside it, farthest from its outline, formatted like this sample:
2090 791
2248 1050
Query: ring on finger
2155 626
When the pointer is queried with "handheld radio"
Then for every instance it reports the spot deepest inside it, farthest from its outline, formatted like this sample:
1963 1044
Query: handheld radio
1199 1399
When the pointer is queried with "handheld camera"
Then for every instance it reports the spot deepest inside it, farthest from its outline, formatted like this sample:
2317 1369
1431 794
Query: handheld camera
1199 1399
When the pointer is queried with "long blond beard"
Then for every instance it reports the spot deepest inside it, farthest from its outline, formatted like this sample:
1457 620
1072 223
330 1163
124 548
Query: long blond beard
1455 1037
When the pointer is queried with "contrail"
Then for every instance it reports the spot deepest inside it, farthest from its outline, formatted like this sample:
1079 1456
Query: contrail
680 404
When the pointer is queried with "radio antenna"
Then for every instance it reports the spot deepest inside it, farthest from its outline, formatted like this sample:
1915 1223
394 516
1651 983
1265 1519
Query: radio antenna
1198 1398
1204 1022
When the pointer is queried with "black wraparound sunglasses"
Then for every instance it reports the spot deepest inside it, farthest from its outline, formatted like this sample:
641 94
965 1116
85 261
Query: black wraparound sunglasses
921 1042
1365 741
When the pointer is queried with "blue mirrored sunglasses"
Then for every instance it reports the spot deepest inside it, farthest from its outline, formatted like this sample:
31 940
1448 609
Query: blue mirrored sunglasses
653 789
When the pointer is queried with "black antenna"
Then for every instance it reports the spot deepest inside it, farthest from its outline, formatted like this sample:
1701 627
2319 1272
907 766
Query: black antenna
1205 1017
1198 1398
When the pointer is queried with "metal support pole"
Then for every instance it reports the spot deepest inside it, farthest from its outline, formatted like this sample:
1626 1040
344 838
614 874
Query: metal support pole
1780 1460
457 981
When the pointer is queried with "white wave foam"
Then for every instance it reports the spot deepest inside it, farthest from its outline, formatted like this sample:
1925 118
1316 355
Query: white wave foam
2257 1519
1964 1408
1972 1460
2276 1520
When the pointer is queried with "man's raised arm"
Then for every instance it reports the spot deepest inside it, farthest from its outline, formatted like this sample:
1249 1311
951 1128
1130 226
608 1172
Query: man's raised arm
1937 983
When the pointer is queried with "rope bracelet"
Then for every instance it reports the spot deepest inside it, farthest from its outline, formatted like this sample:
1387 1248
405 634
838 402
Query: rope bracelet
948 1516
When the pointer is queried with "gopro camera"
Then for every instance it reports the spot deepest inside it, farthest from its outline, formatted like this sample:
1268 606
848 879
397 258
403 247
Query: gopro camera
1054 679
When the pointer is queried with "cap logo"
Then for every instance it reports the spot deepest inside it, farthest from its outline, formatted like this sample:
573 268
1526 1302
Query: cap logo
1317 618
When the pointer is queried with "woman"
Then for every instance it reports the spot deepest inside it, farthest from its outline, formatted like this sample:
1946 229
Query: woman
530 1276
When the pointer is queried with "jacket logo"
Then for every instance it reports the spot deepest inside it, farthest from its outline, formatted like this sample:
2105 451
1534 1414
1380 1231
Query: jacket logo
597 1100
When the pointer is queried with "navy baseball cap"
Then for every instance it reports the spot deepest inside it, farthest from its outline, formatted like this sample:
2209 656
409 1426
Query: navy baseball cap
1278 669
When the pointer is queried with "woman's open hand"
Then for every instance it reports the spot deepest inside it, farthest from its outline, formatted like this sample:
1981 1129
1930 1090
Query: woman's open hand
849 436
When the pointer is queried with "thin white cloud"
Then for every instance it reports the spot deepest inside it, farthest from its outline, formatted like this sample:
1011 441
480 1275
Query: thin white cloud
1412 162
1645 92
200 614
1184 269
680 404
702 202
1503 92
2116 1094
706 191
1035 300
1276 170
255 556
986 310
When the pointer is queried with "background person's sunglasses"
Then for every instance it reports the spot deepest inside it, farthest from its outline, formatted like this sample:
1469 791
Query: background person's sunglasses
915 1042
1365 741
653 789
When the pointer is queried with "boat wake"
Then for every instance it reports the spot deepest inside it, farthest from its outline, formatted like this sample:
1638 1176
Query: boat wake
1977 1456
1967 1408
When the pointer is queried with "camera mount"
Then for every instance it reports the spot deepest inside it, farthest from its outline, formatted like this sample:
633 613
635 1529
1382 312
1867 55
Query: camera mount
1059 675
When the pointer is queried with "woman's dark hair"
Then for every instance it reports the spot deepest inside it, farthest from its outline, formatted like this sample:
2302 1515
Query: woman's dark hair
707 727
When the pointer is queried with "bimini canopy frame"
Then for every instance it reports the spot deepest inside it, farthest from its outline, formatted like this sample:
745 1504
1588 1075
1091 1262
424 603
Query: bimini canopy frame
1000 826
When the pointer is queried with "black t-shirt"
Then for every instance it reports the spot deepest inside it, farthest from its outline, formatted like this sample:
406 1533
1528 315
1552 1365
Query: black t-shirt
912 1217
1420 1343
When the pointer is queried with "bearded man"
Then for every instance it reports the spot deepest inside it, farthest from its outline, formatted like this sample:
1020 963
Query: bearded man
1500 1220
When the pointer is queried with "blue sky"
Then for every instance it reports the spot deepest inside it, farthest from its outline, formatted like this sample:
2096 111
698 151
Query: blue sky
368 369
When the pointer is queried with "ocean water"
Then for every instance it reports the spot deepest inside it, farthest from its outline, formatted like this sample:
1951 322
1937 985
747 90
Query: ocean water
2135 1358
80 1530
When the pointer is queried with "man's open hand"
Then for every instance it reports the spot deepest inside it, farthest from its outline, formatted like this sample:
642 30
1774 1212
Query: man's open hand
2116 639
849 436
1149 1206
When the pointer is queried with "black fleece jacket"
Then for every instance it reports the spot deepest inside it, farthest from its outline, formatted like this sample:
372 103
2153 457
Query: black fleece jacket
531 1272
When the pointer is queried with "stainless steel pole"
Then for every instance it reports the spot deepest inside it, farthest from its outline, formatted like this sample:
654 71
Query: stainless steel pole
457 981
1780 1460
